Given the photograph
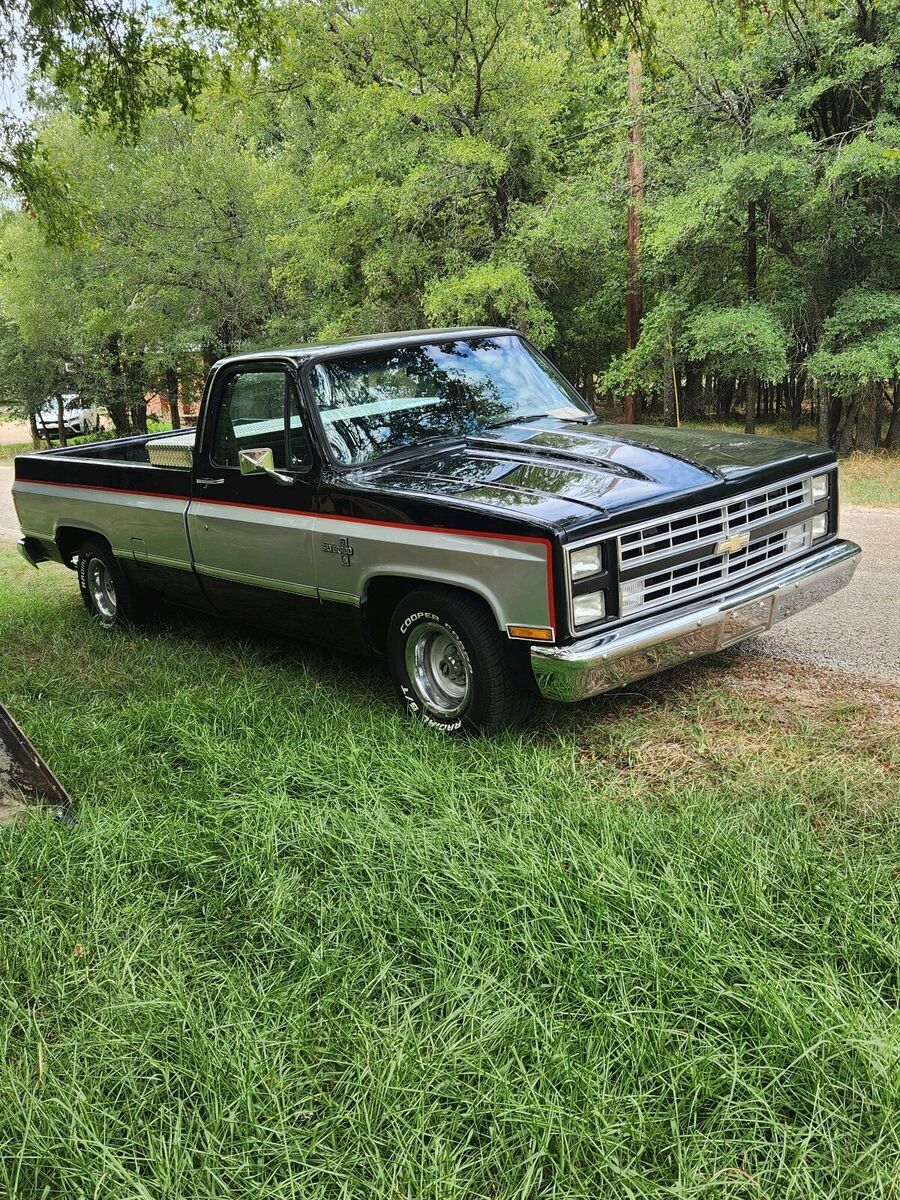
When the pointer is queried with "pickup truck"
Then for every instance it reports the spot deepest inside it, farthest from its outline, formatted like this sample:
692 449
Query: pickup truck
447 500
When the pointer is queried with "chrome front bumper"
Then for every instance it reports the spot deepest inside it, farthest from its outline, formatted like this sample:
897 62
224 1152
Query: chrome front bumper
610 660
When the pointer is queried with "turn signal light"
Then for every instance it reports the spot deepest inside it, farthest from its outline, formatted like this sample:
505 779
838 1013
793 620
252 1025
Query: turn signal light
534 633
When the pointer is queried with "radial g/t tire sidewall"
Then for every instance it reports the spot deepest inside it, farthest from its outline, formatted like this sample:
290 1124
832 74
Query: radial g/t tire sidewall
131 605
500 696
449 725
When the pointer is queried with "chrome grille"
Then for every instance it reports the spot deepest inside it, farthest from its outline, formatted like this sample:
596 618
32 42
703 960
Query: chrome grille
658 540
646 552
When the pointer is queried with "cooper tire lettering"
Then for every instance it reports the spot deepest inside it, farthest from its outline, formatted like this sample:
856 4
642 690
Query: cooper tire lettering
461 642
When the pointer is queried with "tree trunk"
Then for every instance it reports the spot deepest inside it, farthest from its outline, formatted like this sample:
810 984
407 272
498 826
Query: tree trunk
847 412
669 394
867 432
35 432
892 437
589 390
135 397
796 394
172 396
751 400
691 398
44 433
829 418
61 420
633 292
120 418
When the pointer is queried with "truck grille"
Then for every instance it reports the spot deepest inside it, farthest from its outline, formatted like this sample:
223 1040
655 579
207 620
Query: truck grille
673 560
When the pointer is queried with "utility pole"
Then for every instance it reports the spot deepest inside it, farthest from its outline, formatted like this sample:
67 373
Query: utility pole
633 290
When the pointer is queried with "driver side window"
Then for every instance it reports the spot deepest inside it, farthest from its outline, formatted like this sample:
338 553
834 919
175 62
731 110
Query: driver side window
251 416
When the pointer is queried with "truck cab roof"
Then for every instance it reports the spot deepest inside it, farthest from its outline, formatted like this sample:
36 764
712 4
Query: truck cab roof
359 344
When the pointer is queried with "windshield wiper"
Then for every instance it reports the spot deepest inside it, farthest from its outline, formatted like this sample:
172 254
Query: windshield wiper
413 447
566 413
520 420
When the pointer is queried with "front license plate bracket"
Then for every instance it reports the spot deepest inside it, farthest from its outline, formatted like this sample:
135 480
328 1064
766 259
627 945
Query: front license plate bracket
747 620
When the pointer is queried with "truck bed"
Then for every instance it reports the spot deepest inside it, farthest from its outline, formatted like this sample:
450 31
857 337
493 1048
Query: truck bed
133 491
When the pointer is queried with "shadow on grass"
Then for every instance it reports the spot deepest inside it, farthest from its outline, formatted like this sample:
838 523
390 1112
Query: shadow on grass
368 677
262 648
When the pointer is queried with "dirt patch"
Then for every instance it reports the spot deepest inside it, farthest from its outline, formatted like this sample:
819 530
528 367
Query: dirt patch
801 687
13 433
738 717
12 797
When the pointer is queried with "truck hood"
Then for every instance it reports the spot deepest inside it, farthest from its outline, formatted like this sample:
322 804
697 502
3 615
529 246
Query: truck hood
564 475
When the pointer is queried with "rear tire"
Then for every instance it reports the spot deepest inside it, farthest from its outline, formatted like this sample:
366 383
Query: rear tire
453 668
108 596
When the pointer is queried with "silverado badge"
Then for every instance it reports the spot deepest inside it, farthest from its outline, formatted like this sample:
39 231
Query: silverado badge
343 548
728 545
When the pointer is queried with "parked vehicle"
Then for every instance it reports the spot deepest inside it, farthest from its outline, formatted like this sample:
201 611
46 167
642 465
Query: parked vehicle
446 500
78 418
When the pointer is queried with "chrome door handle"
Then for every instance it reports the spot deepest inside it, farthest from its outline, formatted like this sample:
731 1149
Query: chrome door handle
208 482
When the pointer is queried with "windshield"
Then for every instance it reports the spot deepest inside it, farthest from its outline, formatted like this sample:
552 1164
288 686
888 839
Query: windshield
389 400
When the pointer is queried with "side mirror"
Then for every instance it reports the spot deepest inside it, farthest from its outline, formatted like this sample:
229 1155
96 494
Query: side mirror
261 462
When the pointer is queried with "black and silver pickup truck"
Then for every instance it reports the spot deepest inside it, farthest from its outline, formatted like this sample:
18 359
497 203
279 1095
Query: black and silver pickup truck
446 499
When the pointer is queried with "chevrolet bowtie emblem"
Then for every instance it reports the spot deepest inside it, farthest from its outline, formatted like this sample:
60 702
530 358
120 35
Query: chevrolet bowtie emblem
728 545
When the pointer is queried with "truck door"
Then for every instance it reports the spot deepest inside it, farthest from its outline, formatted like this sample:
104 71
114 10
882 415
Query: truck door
251 534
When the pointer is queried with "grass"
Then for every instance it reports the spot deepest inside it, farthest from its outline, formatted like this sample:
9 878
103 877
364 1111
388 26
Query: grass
8 451
871 480
297 946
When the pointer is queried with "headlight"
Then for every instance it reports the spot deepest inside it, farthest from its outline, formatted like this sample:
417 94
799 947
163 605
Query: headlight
585 562
589 607
819 526
819 487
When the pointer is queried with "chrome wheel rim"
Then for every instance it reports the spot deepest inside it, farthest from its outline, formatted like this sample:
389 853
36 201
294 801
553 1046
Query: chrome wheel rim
102 589
438 669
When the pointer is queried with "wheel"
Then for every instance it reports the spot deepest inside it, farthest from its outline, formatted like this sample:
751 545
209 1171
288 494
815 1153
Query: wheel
107 594
453 668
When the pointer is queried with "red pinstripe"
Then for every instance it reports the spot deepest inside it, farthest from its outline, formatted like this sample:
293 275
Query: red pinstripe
498 537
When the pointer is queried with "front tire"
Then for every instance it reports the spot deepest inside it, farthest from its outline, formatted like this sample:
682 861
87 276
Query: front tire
108 596
453 668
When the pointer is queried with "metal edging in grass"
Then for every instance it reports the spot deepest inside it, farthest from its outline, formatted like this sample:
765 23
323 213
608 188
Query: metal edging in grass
30 774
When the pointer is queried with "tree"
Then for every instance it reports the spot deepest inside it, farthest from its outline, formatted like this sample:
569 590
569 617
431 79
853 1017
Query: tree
399 163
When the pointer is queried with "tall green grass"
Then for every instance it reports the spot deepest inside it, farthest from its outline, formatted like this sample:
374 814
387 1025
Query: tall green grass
297 946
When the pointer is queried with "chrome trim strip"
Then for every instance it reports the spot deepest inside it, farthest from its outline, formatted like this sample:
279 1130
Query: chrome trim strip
615 658
339 597
111 462
156 560
276 585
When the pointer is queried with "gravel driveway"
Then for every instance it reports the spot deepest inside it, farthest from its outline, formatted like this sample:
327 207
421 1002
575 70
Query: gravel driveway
9 526
856 630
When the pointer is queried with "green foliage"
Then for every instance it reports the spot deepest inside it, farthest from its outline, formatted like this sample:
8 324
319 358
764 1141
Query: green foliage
861 342
487 295
402 162
119 61
738 342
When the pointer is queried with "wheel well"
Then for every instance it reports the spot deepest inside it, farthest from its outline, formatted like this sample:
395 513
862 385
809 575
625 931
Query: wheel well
70 538
384 593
